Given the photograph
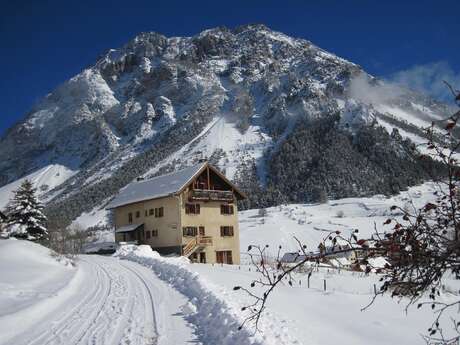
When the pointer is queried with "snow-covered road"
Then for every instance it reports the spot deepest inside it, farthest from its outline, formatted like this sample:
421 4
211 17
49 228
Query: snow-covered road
108 301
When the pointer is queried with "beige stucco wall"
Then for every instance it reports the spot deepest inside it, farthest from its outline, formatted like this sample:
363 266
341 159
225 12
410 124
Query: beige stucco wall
212 220
168 226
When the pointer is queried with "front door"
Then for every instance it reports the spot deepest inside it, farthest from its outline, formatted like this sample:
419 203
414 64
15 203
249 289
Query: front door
194 257
202 257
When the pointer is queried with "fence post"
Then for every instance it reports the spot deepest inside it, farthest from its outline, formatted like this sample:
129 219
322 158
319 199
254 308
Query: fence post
324 284
375 290
308 280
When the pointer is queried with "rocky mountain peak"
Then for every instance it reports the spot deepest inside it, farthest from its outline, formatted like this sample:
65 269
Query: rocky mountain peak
234 96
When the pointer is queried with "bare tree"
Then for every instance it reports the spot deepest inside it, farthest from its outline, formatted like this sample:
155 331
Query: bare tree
68 240
421 245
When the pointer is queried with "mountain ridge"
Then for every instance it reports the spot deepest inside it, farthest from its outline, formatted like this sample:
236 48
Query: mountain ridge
236 97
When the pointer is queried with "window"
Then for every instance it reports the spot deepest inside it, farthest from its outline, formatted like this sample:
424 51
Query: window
130 217
192 208
154 233
189 230
201 230
226 209
224 257
226 231
151 212
138 214
159 212
147 234
146 213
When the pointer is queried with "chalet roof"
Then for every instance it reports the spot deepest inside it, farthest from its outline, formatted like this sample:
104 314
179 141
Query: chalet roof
160 186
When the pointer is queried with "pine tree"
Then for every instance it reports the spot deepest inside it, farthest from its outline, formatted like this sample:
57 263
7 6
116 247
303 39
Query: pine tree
25 217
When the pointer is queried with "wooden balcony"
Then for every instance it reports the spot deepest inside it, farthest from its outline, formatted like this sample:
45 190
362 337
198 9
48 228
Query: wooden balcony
211 195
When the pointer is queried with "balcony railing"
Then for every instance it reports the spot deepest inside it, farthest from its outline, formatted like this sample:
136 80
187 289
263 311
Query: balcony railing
204 240
196 243
211 195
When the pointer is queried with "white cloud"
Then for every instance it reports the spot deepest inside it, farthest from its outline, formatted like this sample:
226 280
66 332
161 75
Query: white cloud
370 91
429 79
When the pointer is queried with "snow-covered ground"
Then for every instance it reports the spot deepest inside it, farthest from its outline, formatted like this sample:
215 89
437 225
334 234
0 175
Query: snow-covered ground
295 315
138 297
100 301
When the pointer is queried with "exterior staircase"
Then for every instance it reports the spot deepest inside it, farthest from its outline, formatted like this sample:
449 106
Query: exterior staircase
196 243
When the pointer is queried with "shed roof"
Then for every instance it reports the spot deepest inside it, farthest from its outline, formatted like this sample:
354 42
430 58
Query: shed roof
161 186
129 228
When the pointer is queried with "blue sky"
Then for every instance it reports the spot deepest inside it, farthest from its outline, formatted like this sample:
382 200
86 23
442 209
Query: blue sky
44 43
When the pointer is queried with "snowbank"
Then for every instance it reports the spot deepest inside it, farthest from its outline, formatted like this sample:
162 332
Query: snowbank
32 284
29 273
215 315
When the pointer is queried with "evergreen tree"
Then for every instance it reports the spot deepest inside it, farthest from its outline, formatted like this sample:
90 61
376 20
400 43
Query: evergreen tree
25 217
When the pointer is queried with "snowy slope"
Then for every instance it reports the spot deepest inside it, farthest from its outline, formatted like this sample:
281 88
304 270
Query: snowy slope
310 223
43 179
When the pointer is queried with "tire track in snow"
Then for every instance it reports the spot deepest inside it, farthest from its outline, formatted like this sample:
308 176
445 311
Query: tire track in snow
102 306
113 308
149 336
113 302
60 333
64 325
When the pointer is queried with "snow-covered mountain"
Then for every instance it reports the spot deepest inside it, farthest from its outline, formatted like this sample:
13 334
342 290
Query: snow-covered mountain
281 116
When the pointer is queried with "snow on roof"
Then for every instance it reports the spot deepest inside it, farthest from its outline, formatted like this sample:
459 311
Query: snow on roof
128 228
339 262
296 257
155 188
